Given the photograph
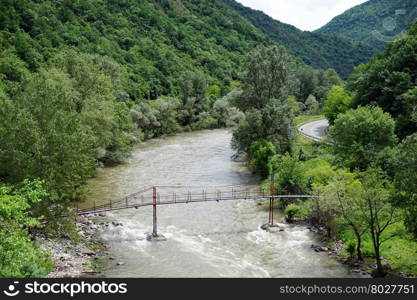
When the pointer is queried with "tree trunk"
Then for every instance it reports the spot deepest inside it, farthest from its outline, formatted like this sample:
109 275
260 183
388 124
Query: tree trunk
358 244
379 269
379 272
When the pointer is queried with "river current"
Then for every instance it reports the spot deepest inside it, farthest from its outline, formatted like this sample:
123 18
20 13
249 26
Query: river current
203 239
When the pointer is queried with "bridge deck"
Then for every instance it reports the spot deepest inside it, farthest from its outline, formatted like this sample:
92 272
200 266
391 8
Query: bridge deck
143 198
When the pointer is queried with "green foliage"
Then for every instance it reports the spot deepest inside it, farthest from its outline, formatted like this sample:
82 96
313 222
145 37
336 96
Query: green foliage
312 106
315 82
266 87
338 102
194 97
273 123
350 248
260 153
374 22
267 76
341 197
204 121
320 51
359 135
154 40
98 82
405 179
377 210
389 81
225 113
294 211
42 135
290 177
319 171
19 257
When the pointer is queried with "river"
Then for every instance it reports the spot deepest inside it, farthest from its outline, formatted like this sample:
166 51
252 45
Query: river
203 239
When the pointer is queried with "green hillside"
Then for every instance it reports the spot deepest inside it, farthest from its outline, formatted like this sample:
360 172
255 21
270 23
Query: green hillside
153 40
320 51
375 22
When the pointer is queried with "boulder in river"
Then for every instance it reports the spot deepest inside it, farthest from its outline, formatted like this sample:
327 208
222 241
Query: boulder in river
272 228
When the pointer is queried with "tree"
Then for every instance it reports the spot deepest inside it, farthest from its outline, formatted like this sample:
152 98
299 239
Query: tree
405 180
193 95
226 114
290 175
338 102
377 211
260 153
342 197
308 83
274 123
325 81
359 135
388 79
268 76
312 105
42 136
98 81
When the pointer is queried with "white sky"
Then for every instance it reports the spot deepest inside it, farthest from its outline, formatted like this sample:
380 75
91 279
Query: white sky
303 14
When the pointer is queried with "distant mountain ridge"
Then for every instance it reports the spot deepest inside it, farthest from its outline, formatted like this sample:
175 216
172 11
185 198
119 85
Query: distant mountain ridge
321 51
375 22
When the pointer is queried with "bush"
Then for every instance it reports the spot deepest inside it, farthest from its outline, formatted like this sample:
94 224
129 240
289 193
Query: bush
292 211
261 152
350 248
204 121
19 257
290 175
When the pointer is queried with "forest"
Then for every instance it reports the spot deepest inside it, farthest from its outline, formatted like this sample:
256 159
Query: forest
320 51
364 173
374 22
83 82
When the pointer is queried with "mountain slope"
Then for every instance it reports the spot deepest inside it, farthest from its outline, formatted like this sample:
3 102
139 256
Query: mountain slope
318 50
154 40
375 22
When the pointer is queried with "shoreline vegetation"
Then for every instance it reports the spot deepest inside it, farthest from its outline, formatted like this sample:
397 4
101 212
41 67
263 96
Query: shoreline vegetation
81 84
366 178
336 246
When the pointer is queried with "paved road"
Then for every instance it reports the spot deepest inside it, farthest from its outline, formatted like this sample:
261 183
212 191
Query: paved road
316 130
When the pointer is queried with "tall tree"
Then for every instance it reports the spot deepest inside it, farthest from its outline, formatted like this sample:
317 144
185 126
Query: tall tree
359 135
266 86
268 76
338 102
377 211
342 197
194 96
274 123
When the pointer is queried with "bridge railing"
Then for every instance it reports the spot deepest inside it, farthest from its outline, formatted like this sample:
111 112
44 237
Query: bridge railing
165 195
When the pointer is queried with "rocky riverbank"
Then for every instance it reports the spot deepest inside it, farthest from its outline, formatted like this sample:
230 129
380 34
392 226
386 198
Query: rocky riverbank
75 259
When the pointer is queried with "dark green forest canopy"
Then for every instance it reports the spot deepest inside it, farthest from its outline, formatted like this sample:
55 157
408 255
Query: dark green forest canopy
389 80
153 40
375 22
321 51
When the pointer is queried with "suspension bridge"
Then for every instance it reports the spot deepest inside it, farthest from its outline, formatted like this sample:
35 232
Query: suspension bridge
171 195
